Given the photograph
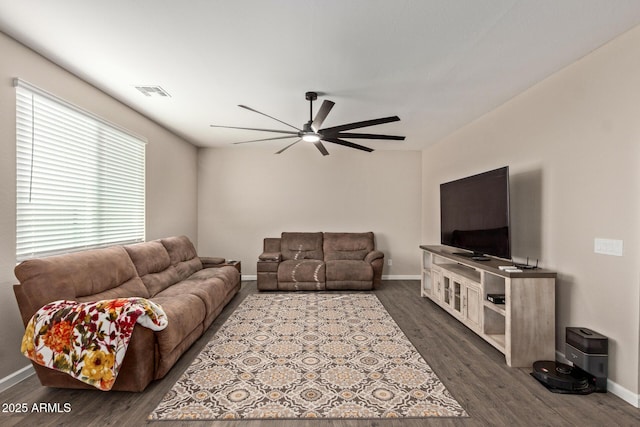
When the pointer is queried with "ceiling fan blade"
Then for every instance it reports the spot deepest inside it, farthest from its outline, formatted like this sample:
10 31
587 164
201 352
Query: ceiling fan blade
295 142
348 144
258 129
322 114
321 148
369 136
267 139
266 115
334 130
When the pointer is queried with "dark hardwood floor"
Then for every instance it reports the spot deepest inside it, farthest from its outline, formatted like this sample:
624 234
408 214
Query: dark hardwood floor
473 371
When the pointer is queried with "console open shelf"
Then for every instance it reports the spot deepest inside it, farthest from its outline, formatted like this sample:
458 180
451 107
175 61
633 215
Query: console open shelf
498 308
523 328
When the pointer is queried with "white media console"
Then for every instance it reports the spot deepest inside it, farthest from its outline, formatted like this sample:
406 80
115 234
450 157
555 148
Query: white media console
523 328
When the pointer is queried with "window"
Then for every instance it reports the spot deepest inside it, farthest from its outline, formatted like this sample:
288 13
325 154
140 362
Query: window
80 179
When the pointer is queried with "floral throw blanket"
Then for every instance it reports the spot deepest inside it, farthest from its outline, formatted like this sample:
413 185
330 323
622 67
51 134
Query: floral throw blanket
88 340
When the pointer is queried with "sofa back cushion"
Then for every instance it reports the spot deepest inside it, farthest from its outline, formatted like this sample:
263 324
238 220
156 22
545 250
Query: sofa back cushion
301 246
183 256
347 246
153 264
81 276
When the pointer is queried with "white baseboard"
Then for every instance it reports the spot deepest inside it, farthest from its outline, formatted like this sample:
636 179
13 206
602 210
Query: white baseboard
248 277
16 377
612 387
624 394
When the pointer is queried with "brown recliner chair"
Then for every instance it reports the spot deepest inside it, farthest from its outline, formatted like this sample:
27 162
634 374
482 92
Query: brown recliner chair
320 261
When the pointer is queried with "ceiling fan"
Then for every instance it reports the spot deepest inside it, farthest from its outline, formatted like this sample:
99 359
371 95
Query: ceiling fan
312 131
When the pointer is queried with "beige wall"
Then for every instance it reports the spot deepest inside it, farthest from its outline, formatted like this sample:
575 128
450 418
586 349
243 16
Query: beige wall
573 145
171 177
248 193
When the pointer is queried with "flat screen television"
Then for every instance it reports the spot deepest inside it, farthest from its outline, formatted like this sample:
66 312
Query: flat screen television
474 214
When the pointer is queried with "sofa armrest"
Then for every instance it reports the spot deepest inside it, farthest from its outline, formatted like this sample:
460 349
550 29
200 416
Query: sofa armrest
210 262
270 256
373 255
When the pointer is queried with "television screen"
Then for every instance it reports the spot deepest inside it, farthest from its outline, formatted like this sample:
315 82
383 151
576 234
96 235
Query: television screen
474 214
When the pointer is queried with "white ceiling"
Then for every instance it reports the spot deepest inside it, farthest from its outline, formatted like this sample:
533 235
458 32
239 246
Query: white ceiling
438 64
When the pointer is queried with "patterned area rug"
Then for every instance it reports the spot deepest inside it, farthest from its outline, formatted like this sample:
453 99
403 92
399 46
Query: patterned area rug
308 355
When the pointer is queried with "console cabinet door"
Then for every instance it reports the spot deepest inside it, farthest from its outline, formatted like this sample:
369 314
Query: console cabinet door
457 292
436 286
426 288
447 293
472 304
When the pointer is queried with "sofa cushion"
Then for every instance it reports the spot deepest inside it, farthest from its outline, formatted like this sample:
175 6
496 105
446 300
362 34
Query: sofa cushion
211 285
183 255
304 270
229 274
295 246
153 264
82 276
133 287
355 270
186 313
353 246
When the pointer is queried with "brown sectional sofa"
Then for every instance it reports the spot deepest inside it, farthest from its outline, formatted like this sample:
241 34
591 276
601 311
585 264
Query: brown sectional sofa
192 291
320 261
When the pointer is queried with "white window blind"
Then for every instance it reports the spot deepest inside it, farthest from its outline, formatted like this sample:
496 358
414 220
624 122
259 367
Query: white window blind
80 179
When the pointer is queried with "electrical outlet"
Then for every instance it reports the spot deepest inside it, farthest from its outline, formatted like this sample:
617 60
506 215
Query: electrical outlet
389 262
607 246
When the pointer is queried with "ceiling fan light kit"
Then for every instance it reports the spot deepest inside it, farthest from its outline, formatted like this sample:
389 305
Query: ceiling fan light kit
312 132
311 137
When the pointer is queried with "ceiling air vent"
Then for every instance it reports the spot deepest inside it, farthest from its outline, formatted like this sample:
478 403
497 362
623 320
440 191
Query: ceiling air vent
153 91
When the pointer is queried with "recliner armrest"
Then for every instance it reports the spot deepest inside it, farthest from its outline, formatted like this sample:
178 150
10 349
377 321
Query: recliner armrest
270 256
211 262
373 255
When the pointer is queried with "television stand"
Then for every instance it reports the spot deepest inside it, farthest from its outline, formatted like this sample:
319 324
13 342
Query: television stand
523 328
